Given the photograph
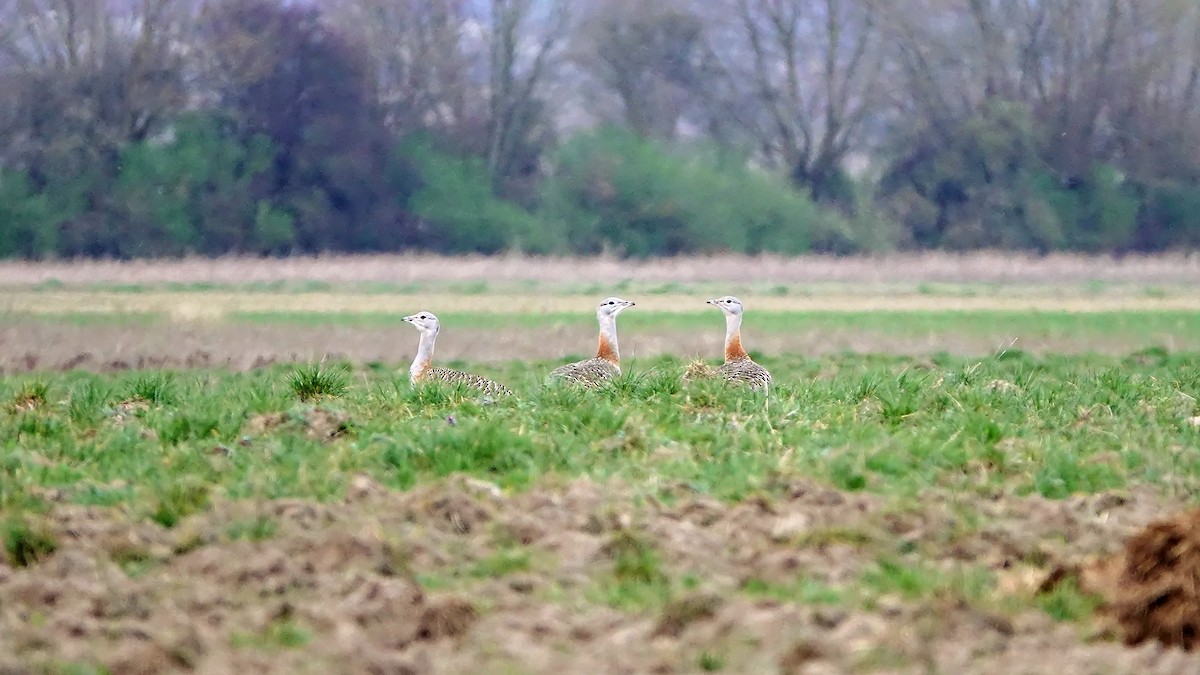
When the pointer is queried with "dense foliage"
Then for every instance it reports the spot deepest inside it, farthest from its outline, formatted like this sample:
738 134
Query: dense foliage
263 127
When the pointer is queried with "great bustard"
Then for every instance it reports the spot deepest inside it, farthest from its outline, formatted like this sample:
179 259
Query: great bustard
738 366
422 369
607 362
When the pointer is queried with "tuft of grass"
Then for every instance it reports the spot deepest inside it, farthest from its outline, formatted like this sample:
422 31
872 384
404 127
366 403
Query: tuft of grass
31 396
288 634
282 633
634 558
86 401
502 563
39 425
254 529
710 662
1066 602
155 388
826 536
908 580
179 500
916 580
804 590
314 381
638 581
846 473
26 543
134 559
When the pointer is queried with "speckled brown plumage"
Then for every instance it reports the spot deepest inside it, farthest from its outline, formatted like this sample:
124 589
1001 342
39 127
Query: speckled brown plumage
745 371
451 376
590 372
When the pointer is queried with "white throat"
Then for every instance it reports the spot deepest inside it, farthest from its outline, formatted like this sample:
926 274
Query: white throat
733 327
424 355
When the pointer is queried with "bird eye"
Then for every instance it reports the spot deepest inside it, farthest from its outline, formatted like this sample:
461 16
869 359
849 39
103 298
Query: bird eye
424 317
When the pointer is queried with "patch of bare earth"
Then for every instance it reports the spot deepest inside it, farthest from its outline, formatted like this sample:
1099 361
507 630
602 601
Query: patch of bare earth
318 423
390 582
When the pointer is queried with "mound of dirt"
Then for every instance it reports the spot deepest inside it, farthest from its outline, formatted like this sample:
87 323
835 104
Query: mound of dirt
318 423
699 370
1157 596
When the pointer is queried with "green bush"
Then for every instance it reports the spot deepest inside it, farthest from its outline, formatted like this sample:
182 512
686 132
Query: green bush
461 211
1097 213
30 220
615 191
196 192
1169 216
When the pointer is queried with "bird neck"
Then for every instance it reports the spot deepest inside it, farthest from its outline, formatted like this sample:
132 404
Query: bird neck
424 359
607 349
733 338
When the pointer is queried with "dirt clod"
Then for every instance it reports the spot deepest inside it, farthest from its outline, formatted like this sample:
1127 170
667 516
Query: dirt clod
799 656
681 613
698 370
1158 597
446 617
318 423
260 424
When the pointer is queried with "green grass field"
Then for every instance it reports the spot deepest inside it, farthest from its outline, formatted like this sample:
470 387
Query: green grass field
652 523
1010 423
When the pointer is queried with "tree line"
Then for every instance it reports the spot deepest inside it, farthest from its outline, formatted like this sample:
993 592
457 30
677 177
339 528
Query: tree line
166 127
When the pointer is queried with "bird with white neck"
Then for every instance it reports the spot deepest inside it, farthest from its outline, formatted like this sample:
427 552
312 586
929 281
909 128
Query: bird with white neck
738 366
606 364
422 369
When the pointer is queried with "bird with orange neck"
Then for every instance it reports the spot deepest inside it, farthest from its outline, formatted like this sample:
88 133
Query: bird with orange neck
422 369
606 364
738 366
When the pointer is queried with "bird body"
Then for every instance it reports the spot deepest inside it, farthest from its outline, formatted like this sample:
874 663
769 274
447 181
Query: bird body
589 372
747 371
606 364
451 376
738 366
422 369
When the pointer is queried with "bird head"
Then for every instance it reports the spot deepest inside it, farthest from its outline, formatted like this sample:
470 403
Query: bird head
728 304
611 307
425 322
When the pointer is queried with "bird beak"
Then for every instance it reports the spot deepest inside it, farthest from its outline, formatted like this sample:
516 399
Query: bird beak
410 318
630 303
710 302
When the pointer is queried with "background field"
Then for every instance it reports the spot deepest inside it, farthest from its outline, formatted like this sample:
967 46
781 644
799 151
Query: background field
242 312
937 445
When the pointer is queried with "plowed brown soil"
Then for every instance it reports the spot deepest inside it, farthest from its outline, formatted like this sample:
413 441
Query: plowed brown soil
390 582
